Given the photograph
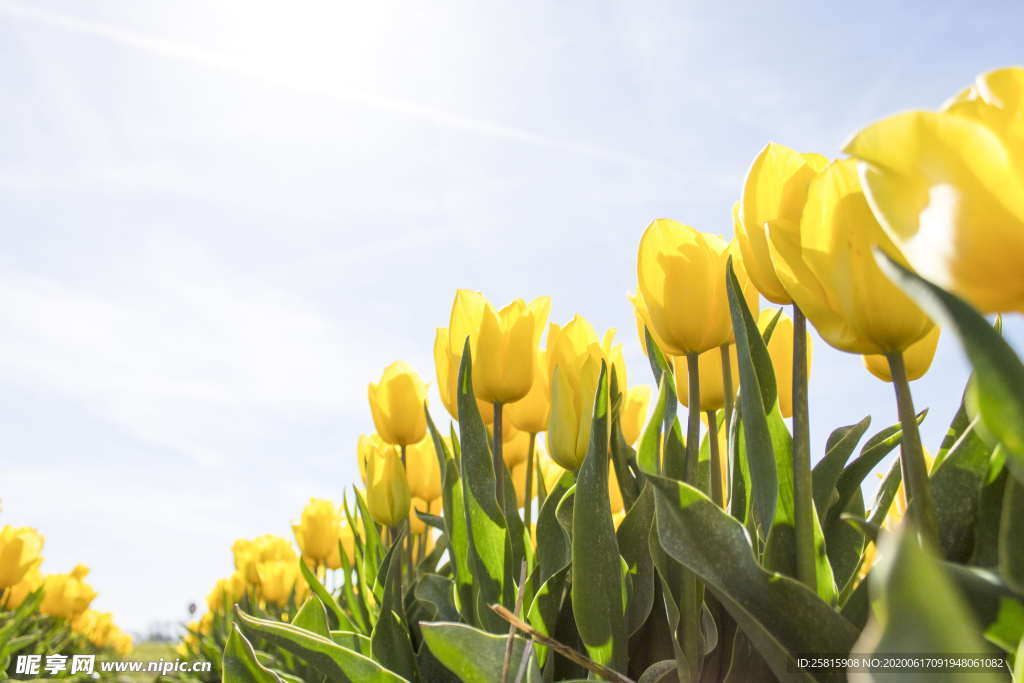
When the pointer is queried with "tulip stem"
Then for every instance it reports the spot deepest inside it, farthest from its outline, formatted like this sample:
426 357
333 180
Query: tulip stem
528 494
727 385
693 423
499 463
920 504
803 486
717 488
407 542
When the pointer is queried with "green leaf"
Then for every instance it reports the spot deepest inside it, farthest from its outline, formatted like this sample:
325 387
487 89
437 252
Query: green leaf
240 664
313 617
334 661
597 581
1011 536
956 489
341 620
998 372
782 617
353 641
489 547
917 607
649 456
473 655
438 591
633 537
553 558
840 446
998 610
874 450
390 640
756 399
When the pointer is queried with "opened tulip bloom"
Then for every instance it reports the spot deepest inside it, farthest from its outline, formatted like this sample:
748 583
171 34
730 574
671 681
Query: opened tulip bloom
775 189
250 552
397 403
948 187
13 596
19 553
681 283
918 358
317 530
67 595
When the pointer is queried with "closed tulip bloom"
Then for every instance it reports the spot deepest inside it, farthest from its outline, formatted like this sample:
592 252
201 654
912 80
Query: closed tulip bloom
506 349
780 348
250 552
633 414
19 553
515 446
387 491
317 530
16 594
67 595
550 471
530 413
775 188
397 404
574 359
681 274
423 471
447 362
918 358
348 541
709 368
226 592
948 187
278 580
828 266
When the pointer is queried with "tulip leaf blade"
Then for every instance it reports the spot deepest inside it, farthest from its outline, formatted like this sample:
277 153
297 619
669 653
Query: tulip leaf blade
473 655
1011 536
838 449
782 617
312 616
239 663
755 401
998 372
334 661
327 600
390 637
597 581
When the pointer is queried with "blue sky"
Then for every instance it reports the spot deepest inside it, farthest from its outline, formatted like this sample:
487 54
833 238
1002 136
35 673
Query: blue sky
222 219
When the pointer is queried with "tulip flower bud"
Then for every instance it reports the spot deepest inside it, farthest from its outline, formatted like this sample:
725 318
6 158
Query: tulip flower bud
447 362
398 405
775 189
387 491
226 592
530 413
780 349
633 414
317 530
827 264
948 187
423 471
681 275
19 553
347 540
712 385
250 552
277 579
917 358
506 349
67 595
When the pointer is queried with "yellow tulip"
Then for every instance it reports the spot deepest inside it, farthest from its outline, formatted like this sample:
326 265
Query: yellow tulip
97 627
417 525
226 592
574 360
515 445
423 471
550 471
317 530
277 581
614 493
19 553
387 491
948 187
530 413
16 594
633 414
67 595
775 189
780 348
446 362
250 552
709 370
506 349
348 542
398 405
120 642
828 266
681 275
918 358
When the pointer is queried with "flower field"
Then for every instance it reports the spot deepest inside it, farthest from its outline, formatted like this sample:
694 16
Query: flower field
558 519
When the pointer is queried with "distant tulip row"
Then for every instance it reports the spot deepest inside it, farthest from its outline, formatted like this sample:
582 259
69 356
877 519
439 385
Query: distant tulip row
635 543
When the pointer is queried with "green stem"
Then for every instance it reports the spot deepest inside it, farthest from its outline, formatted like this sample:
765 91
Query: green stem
528 503
717 487
803 487
727 384
407 543
693 421
499 463
920 505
